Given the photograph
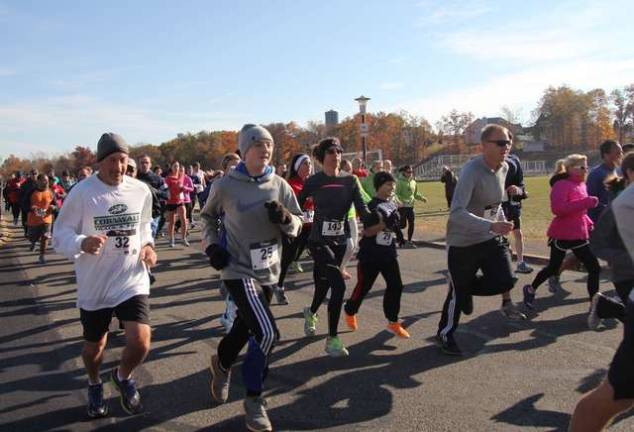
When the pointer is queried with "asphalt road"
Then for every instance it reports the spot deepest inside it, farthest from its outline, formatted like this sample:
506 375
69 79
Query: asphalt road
517 375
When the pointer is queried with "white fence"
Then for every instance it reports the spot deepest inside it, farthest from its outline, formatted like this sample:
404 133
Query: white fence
432 169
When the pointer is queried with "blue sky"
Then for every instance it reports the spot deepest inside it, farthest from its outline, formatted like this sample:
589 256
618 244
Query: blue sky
70 70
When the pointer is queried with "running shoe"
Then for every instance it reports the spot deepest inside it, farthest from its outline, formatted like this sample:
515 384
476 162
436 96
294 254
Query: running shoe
255 414
41 259
411 244
397 329
130 397
97 406
529 296
219 381
186 242
280 296
510 311
522 267
32 247
554 285
351 321
593 315
335 348
310 322
448 345
15 222
297 267
172 243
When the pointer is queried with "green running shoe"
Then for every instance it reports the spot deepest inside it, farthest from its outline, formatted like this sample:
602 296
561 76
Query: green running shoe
335 348
310 322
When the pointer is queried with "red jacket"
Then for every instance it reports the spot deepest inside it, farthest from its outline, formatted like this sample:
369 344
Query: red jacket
14 189
569 202
297 184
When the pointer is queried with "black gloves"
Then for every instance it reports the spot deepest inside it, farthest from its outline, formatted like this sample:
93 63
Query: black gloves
393 221
277 212
373 219
218 256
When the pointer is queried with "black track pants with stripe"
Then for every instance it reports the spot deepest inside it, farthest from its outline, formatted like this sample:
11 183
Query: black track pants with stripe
254 319
367 272
493 258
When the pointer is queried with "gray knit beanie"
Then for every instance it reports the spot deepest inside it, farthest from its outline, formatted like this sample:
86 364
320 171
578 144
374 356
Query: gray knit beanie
249 135
111 143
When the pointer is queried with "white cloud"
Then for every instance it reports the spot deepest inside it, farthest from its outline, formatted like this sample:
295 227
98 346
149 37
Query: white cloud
58 124
568 30
522 89
391 85
440 12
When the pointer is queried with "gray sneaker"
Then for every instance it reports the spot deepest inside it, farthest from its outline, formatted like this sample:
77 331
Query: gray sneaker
553 284
255 414
280 295
511 312
593 315
522 267
219 381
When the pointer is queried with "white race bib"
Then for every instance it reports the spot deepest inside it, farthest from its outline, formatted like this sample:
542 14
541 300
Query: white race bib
385 238
264 255
121 243
332 228
40 212
492 213
309 215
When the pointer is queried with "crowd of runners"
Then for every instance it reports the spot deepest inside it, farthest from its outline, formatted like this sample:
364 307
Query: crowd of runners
257 221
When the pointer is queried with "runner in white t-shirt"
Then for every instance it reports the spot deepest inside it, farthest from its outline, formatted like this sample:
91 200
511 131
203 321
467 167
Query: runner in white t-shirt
104 227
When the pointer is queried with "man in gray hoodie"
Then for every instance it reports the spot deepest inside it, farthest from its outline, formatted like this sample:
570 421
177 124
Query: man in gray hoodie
244 218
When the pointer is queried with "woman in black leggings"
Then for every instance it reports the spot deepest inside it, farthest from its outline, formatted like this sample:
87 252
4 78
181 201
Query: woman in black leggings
333 193
301 167
570 228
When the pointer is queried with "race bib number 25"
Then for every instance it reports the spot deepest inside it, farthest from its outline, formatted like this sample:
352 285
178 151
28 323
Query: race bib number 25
264 255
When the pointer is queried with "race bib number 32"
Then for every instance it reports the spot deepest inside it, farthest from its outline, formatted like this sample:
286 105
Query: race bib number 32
332 229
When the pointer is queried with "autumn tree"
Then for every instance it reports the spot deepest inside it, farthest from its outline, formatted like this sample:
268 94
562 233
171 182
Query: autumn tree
82 157
623 102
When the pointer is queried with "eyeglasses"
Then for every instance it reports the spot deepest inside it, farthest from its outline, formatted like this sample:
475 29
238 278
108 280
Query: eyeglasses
334 150
501 143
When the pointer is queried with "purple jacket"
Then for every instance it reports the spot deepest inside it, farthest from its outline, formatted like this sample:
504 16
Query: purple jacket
569 202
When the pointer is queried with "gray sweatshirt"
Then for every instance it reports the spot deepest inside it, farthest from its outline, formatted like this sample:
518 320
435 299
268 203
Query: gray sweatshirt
606 243
234 217
476 203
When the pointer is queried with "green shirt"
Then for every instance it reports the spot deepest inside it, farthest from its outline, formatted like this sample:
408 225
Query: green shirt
407 191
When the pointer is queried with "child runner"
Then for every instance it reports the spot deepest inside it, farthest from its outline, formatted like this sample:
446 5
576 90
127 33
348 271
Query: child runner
377 254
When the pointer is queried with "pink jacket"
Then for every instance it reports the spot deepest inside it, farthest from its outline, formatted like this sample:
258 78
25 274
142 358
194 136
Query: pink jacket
188 186
569 202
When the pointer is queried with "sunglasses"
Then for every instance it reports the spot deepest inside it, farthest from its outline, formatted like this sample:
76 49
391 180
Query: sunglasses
334 150
581 167
501 143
